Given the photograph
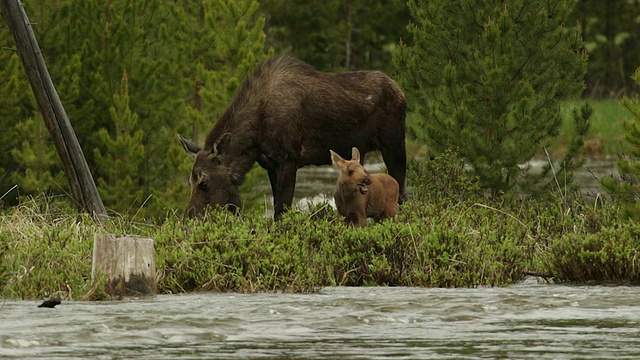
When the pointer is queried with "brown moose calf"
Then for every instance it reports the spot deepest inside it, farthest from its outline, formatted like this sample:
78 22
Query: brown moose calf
360 195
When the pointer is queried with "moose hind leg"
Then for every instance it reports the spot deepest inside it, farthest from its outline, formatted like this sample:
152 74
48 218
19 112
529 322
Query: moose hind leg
395 160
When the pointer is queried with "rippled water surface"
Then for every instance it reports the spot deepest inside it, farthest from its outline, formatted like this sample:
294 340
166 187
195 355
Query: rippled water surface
526 321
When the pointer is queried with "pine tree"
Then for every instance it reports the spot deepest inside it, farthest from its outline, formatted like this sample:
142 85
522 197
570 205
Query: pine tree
28 159
487 78
225 41
123 156
102 41
239 47
626 188
88 45
17 105
40 169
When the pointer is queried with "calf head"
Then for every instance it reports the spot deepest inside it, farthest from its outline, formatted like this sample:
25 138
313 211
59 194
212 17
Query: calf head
353 175
212 179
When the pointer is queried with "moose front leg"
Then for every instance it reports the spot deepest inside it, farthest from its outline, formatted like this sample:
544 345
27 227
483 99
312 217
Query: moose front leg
283 183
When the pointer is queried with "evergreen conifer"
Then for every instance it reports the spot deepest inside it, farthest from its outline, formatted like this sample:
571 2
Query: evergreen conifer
487 78
39 167
121 156
626 188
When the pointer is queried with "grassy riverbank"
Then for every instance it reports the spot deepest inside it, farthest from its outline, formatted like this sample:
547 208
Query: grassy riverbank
446 236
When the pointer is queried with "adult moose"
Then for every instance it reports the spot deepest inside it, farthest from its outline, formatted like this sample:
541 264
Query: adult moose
287 115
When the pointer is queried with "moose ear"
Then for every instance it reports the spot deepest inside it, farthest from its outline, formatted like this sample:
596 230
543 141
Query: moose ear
189 146
355 154
221 144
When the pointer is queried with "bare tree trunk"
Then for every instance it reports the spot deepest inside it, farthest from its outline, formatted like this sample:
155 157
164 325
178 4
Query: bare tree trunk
80 180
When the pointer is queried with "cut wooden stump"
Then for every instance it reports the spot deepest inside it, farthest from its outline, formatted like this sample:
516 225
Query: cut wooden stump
128 261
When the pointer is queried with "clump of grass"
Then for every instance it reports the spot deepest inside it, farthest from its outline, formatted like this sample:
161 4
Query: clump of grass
46 251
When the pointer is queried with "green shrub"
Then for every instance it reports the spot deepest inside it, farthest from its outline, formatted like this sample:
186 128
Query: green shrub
610 255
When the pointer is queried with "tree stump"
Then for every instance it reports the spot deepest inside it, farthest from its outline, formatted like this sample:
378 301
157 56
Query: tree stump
128 261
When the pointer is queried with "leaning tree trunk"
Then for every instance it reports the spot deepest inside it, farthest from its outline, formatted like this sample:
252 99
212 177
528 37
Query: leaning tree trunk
65 140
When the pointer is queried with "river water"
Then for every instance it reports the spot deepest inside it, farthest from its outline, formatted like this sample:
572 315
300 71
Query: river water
524 321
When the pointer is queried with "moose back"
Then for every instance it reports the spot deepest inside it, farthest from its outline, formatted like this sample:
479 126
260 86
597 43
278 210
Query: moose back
287 115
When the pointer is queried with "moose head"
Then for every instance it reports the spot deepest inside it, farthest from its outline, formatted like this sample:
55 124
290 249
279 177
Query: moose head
213 180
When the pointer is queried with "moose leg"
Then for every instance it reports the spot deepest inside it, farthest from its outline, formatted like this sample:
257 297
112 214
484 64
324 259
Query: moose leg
396 162
283 183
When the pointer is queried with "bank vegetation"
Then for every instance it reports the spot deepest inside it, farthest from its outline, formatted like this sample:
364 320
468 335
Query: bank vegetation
450 234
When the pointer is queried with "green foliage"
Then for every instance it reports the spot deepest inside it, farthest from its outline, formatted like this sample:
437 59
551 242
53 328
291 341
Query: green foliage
610 255
444 242
16 109
558 179
183 60
50 252
605 125
625 189
40 170
238 46
88 45
488 77
223 41
610 34
173 50
230 253
337 34
443 177
122 155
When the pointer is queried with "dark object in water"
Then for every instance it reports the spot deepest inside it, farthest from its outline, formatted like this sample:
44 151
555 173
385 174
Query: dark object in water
50 303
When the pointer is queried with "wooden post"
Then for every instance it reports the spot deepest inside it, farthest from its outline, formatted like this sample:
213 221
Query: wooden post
128 261
80 180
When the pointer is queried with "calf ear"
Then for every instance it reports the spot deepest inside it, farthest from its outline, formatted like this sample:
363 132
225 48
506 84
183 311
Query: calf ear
336 159
189 146
355 154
